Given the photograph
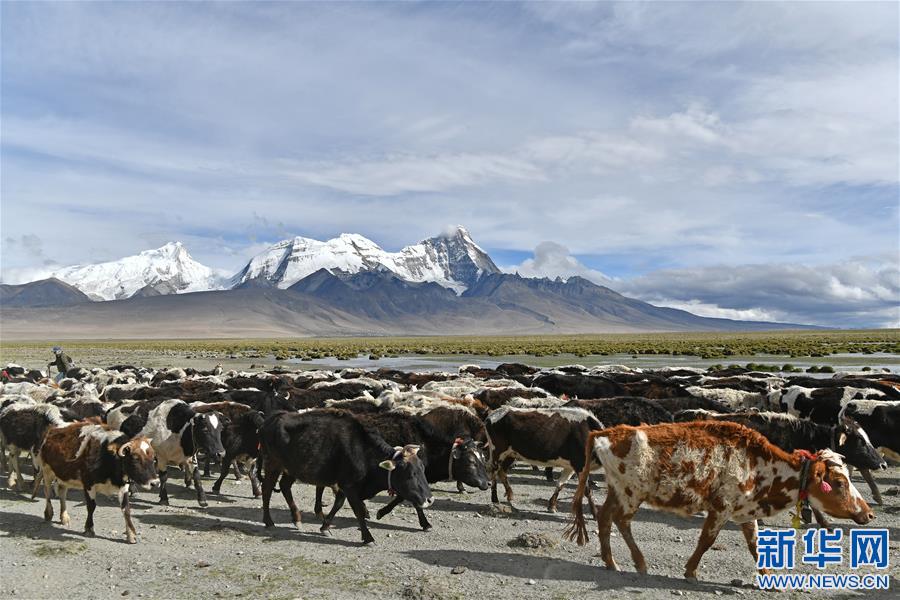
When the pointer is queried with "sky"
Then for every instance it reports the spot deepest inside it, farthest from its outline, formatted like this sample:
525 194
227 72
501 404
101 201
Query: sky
736 160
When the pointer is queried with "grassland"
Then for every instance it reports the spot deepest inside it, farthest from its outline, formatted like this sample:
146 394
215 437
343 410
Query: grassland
793 344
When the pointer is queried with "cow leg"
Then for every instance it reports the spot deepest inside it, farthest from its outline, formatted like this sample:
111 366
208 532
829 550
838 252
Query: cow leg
206 466
187 469
238 472
876 494
563 478
821 519
285 484
13 480
387 508
320 489
604 519
750 531
359 509
268 484
339 498
711 528
254 482
623 523
38 478
90 499
63 513
201 495
548 474
125 504
163 489
48 494
423 520
504 478
226 463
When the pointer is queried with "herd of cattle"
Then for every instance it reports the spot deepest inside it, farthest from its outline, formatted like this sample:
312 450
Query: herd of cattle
737 445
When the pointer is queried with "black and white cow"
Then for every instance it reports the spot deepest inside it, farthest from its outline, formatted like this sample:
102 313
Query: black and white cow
331 448
822 405
547 437
22 429
881 420
177 434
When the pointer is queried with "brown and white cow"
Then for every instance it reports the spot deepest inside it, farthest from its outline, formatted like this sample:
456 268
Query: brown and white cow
730 471
96 459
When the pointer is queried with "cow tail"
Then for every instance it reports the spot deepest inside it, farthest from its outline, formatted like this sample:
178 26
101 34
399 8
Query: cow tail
577 530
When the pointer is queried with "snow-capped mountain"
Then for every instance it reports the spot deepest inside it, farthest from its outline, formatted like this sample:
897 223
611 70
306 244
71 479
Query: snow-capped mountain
452 260
166 270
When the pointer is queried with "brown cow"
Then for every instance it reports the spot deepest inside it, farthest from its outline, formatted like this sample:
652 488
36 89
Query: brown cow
97 459
728 470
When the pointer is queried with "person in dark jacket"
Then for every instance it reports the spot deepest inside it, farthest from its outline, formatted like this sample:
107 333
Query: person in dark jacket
62 362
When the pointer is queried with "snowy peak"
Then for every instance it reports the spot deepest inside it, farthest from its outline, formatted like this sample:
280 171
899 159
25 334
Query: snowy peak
168 269
452 260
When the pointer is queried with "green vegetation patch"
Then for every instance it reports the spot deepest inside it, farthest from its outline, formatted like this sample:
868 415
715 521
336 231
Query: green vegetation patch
51 549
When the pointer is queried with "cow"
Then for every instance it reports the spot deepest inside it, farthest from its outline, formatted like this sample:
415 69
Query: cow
329 447
674 405
822 405
446 457
546 437
22 429
624 411
791 433
177 433
96 459
240 438
730 471
579 386
881 420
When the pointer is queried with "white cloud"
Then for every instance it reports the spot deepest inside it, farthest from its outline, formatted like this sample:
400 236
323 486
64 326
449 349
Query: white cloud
857 292
553 260
404 174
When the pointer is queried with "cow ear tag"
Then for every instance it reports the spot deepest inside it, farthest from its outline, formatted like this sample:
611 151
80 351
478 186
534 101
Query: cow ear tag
825 487
387 465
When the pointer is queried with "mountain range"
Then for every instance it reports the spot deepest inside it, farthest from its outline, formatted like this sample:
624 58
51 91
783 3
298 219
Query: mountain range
347 285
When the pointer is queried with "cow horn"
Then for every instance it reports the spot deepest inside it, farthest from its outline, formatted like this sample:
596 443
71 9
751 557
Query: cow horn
122 448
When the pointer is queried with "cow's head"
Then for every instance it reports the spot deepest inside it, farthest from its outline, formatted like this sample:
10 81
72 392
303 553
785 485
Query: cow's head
467 463
831 490
138 462
407 475
851 440
207 433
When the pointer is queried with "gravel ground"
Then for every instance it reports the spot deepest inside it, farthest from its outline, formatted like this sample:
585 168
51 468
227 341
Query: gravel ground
474 551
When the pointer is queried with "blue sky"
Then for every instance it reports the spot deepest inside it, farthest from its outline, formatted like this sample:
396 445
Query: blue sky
736 159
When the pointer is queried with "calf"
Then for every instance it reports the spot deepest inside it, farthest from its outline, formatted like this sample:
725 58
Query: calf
240 438
728 470
548 437
96 459
333 448
177 433
789 433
